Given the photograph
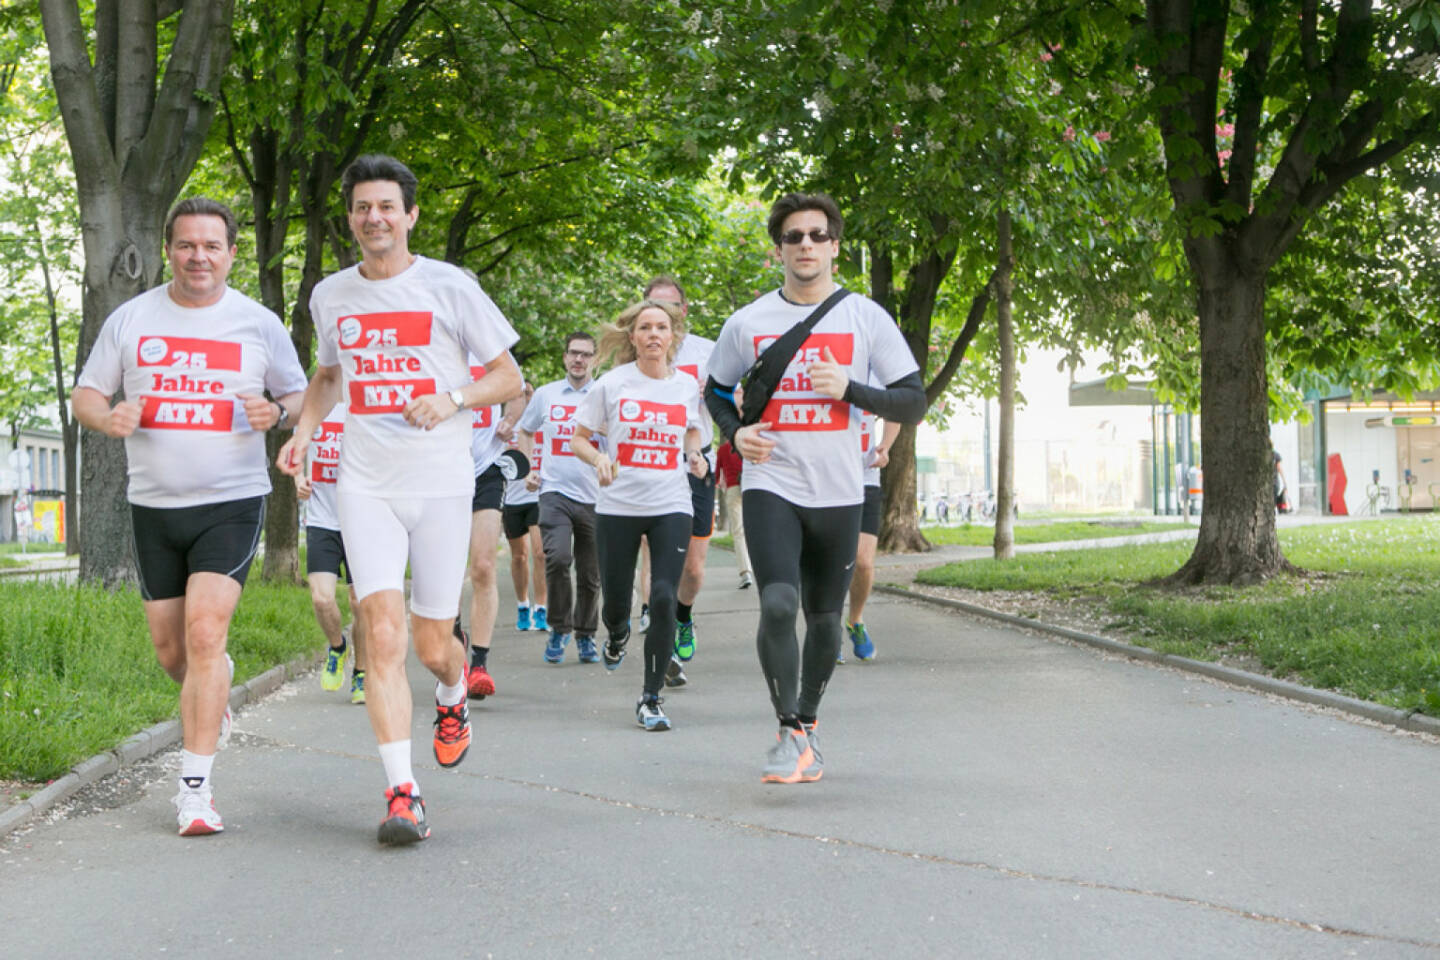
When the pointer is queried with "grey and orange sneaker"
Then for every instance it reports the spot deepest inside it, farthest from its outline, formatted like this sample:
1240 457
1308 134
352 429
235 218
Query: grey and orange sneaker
404 816
788 760
817 762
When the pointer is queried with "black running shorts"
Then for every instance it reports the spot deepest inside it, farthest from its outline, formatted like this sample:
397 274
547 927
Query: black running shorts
489 489
870 512
172 543
702 505
518 520
325 552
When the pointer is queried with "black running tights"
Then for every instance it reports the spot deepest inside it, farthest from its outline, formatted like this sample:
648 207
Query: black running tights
619 546
803 558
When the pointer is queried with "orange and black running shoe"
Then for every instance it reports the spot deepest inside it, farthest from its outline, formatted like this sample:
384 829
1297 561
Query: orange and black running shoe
452 734
404 816
480 684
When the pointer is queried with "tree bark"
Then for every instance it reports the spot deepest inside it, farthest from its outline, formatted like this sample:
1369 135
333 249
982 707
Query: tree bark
133 146
1005 478
1237 542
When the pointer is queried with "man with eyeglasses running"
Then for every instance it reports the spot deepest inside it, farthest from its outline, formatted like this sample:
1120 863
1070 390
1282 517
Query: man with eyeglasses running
802 481
568 492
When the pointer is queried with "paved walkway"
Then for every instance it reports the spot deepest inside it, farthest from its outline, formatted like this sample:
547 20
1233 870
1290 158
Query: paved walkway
988 793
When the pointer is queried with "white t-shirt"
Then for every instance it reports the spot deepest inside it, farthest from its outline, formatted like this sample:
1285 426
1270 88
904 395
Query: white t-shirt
485 443
644 421
516 493
185 366
814 462
552 409
397 339
693 357
324 457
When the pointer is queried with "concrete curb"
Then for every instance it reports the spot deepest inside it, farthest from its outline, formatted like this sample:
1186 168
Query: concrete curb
146 743
1415 722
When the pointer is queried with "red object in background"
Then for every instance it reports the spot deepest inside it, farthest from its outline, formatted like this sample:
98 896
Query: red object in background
1335 485
729 463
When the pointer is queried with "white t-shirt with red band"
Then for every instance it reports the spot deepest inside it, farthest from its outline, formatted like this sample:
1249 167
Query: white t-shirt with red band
185 367
693 357
324 465
397 339
485 444
552 410
814 462
644 422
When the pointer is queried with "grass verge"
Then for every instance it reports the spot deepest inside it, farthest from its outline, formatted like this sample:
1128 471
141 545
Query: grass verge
78 674
983 535
1362 620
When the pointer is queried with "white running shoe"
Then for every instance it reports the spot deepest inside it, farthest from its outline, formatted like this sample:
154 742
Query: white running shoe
649 715
195 810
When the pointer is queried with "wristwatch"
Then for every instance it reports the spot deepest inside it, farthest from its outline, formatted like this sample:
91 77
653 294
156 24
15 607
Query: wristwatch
457 398
283 418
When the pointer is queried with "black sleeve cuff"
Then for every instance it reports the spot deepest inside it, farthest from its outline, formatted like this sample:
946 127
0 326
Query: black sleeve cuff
901 402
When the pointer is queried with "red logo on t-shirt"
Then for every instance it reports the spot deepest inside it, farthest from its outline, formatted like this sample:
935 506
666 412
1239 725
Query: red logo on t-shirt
376 331
484 417
330 431
321 472
559 413
648 411
842 345
162 413
787 414
560 447
386 396
648 457
691 368
188 352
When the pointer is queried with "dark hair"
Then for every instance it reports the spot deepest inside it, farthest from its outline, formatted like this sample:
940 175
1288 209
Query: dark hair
665 280
578 335
377 166
202 207
795 202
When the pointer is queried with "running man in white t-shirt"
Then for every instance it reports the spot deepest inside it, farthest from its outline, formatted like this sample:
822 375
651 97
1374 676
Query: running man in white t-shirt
803 489
520 518
393 337
568 492
193 359
325 556
649 413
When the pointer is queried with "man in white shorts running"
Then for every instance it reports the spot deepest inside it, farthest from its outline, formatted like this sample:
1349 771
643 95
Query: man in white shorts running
193 358
394 332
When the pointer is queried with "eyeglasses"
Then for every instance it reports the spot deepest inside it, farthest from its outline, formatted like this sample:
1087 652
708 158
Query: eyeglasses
580 354
795 236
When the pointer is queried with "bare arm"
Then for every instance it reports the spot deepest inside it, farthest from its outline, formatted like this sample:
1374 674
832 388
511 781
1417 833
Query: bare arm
591 456
92 408
322 394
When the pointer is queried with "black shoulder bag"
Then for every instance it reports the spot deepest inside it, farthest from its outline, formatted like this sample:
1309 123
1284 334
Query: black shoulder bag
765 374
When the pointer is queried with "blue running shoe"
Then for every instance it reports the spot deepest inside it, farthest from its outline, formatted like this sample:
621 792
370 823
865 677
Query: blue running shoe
614 650
685 641
555 647
649 715
644 617
585 647
864 646
522 617
537 620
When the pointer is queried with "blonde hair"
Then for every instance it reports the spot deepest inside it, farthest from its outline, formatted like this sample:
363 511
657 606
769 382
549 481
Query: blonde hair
614 346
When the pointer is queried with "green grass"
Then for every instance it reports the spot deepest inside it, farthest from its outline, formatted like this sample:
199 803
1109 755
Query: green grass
982 535
32 548
78 674
1364 620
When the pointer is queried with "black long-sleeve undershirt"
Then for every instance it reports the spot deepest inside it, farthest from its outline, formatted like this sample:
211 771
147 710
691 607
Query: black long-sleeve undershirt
901 402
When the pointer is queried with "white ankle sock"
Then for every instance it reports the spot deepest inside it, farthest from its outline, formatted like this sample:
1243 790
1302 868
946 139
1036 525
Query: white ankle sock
195 768
448 696
395 755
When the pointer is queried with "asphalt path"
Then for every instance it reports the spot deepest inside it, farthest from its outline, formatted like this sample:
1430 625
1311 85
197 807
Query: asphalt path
989 792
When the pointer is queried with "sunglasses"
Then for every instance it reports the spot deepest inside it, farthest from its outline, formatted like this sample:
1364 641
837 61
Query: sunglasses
795 236
580 354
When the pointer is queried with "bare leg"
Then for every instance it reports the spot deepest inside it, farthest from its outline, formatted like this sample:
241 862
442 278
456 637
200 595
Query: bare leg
327 611
210 600
485 595
864 576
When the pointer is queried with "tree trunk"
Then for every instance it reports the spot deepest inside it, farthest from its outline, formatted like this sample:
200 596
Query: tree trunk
1005 478
899 524
1237 542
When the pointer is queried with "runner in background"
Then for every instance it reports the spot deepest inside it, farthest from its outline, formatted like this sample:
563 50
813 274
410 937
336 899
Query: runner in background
325 555
567 506
692 357
521 521
649 413
873 456
729 467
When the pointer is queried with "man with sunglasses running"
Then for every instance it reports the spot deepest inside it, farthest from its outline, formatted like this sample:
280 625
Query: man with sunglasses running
802 481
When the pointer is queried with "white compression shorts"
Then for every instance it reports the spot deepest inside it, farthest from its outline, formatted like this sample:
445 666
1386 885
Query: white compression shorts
432 533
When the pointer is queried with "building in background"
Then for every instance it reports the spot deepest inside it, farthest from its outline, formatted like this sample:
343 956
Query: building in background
32 488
